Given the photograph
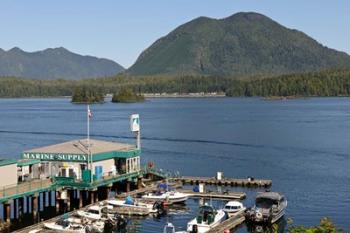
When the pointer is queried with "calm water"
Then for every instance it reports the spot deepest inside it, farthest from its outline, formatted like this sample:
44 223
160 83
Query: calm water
302 145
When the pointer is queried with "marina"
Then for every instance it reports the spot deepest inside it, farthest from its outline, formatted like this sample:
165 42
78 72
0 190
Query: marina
78 181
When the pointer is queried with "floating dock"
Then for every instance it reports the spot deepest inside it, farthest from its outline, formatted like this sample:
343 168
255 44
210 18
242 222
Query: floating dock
249 182
215 195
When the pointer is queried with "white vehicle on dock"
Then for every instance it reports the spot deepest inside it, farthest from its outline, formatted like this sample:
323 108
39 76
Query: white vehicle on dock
234 208
171 197
207 218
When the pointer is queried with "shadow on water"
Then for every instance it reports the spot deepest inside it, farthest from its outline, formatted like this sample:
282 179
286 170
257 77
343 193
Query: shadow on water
278 227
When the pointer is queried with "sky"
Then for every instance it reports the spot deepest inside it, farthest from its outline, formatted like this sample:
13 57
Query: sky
121 30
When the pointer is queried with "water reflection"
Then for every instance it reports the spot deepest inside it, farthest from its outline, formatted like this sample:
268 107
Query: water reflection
278 227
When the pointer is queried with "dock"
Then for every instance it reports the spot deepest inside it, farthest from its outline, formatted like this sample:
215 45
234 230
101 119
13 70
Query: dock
228 224
215 195
249 182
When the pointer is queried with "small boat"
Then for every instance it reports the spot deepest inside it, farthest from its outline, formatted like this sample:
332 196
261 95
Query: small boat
63 225
171 197
169 228
97 212
207 218
234 208
134 206
269 208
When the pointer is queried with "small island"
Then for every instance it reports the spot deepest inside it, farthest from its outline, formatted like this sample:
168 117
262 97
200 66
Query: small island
87 95
127 96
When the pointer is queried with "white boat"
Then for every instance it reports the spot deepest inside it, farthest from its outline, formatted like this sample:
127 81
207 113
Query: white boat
234 208
64 225
97 212
207 218
169 197
135 205
170 228
269 208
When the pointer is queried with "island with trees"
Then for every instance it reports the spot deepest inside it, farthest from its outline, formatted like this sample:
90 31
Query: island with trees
127 96
87 95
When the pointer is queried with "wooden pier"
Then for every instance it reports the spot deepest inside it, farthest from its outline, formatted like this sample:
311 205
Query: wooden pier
228 224
215 195
249 182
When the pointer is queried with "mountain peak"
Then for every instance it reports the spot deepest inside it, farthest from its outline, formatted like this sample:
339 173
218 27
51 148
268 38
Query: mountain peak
55 63
15 50
251 16
243 44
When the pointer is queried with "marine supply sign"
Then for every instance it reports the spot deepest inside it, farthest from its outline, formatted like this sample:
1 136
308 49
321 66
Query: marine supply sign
55 157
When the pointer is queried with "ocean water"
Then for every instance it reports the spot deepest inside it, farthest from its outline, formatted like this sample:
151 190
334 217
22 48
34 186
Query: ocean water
302 145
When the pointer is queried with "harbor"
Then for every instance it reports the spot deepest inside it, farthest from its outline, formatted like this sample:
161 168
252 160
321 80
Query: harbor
82 184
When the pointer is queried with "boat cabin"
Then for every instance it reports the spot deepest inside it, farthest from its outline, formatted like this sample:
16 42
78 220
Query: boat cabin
206 214
233 206
267 200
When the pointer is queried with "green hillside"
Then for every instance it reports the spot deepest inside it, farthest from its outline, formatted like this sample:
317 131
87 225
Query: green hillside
242 44
54 64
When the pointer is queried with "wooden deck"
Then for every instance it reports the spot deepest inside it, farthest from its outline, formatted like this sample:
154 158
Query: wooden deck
25 187
215 195
224 182
228 224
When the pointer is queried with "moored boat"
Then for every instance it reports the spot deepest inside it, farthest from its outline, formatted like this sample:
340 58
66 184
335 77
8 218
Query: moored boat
269 208
207 218
63 225
234 208
171 197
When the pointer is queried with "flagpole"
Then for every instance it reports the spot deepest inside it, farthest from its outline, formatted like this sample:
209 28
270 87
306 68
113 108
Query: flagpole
88 142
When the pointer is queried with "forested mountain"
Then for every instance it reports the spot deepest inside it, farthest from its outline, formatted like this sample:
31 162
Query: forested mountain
242 44
54 64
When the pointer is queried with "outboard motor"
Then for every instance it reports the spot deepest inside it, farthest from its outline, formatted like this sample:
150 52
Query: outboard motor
109 226
194 229
121 223
159 206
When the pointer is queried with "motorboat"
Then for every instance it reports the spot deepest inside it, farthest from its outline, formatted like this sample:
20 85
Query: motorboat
169 228
234 208
135 206
207 218
171 197
97 212
269 208
63 225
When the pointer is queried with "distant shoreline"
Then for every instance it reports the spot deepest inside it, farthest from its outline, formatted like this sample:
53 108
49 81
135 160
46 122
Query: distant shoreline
183 95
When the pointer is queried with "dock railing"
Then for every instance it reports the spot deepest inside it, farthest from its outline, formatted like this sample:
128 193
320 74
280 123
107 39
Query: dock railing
9 191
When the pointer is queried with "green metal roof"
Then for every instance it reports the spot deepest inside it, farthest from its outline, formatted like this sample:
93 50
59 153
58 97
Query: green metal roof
5 162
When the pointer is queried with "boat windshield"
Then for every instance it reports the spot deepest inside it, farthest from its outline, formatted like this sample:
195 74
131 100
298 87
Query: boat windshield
232 207
93 211
264 203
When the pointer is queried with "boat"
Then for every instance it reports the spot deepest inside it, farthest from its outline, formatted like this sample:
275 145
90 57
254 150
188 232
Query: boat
135 207
63 225
207 218
269 208
97 212
234 208
172 197
169 228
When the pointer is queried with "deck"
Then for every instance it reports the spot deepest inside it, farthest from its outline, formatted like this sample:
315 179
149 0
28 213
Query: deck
215 195
224 182
25 189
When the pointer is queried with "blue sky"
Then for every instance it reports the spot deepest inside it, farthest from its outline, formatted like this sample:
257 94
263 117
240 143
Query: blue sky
121 30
